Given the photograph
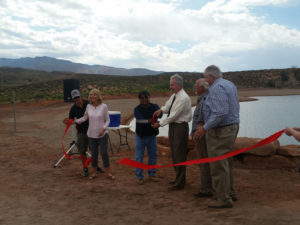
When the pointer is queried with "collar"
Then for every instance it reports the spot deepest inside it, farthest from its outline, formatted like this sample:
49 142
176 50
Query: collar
216 82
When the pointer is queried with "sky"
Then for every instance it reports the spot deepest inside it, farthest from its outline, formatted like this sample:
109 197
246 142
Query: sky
162 35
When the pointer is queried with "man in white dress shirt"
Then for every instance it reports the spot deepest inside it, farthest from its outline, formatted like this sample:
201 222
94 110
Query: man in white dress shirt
179 113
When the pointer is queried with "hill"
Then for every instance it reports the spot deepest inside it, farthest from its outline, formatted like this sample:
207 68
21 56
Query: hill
51 64
36 85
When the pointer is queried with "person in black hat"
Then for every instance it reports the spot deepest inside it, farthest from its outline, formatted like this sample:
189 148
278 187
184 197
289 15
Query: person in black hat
77 111
145 135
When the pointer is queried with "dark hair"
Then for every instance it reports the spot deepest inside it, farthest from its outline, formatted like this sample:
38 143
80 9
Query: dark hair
143 93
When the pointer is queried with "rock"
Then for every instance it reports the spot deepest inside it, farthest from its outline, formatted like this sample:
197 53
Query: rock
191 143
265 150
163 151
271 162
163 141
289 150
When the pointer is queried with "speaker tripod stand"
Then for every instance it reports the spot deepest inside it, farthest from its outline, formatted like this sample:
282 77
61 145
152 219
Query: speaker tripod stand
70 150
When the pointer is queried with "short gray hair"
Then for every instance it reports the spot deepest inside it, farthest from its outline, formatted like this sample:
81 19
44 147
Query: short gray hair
213 70
178 79
203 83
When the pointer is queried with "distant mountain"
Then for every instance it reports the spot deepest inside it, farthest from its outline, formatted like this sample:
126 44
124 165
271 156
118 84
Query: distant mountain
52 64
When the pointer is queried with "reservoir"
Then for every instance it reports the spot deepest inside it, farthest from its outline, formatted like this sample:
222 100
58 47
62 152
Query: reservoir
264 117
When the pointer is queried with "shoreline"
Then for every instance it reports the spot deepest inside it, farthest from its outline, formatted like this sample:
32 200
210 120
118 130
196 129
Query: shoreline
249 94
245 94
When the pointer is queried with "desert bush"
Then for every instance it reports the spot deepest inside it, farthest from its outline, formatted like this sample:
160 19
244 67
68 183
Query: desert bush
284 76
297 74
271 83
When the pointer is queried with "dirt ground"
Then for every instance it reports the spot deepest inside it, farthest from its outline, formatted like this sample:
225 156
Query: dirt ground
33 192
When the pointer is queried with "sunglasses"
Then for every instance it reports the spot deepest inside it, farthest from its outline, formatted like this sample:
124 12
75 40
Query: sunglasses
144 97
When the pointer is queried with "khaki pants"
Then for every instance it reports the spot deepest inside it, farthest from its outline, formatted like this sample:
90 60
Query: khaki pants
178 137
219 142
201 150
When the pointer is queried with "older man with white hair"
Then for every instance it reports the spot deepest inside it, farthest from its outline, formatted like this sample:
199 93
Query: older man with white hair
179 113
201 89
221 125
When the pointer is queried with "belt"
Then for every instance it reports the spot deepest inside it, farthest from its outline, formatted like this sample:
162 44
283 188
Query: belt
174 123
224 126
142 121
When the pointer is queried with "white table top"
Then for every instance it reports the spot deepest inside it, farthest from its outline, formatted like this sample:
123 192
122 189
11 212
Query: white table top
119 127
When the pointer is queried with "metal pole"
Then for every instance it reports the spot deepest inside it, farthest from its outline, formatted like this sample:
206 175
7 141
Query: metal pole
14 105
73 133
58 162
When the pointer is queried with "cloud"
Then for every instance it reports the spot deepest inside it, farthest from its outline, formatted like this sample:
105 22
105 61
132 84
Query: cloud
127 33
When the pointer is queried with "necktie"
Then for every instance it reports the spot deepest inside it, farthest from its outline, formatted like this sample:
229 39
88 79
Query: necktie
171 105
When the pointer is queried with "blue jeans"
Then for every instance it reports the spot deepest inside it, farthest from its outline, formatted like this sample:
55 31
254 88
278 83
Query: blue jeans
140 144
94 144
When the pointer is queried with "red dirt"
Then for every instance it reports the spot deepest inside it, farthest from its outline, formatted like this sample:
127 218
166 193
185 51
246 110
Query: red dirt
33 192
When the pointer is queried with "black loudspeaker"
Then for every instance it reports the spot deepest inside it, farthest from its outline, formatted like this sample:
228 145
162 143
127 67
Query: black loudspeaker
69 85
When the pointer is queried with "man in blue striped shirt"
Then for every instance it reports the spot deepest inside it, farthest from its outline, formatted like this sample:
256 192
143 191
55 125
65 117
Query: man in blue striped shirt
221 124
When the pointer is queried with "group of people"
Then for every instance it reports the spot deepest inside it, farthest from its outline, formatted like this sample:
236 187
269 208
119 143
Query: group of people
92 119
215 125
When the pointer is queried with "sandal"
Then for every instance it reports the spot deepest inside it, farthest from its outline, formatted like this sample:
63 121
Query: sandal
92 176
110 176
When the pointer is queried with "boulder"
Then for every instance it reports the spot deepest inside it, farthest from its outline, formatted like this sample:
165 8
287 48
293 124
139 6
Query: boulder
191 143
162 140
163 151
265 150
289 150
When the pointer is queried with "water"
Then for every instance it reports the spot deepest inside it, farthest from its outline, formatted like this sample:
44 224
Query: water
268 115
264 117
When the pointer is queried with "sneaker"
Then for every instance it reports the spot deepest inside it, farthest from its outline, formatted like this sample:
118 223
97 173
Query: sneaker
140 181
153 179
85 172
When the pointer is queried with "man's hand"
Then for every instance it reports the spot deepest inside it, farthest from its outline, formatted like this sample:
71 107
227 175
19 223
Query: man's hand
153 120
65 121
199 132
288 131
157 113
155 125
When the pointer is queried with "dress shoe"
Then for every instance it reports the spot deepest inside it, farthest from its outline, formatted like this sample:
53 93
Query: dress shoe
220 204
203 195
234 198
175 188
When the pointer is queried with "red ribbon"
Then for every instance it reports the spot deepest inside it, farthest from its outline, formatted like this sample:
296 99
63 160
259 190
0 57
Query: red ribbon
62 140
86 161
135 164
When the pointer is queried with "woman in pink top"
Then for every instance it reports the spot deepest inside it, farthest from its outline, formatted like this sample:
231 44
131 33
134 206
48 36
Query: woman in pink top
97 114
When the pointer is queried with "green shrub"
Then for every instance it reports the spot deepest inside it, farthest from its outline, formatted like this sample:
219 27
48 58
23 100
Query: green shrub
271 83
284 76
297 74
